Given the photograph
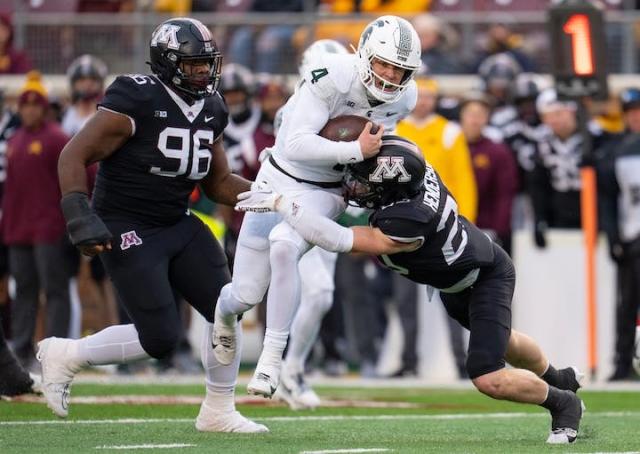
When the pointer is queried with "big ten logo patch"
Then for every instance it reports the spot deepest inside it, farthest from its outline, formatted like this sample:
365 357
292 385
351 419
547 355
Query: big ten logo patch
129 239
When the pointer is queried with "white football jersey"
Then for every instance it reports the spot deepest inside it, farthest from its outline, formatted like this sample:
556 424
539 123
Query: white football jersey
329 89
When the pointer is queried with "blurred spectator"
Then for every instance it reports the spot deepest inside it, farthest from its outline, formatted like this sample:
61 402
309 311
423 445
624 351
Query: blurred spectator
495 171
106 6
555 180
12 61
619 191
437 41
86 76
445 148
500 39
266 49
498 73
32 223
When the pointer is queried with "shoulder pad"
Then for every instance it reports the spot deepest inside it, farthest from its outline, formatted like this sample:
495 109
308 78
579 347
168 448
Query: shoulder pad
408 100
331 74
402 219
129 94
409 209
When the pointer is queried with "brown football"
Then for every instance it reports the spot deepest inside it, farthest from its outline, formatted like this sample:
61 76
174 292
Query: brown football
345 128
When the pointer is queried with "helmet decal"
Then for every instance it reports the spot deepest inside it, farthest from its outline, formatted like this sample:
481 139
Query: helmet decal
388 168
166 34
404 42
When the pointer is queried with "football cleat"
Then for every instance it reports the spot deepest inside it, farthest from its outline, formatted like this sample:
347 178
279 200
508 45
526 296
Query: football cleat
210 420
14 380
223 340
56 355
264 381
566 421
574 378
295 391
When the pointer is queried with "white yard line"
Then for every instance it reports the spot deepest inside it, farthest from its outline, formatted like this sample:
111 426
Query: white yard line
354 450
167 446
444 417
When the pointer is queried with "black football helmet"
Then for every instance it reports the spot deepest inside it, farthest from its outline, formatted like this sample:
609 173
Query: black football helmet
180 40
395 173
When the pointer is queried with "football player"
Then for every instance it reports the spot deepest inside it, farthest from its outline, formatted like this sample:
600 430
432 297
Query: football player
416 231
317 284
14 380
376 82
156 136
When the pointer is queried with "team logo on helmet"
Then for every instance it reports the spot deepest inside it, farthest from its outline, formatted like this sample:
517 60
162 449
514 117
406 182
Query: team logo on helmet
389 167
167 34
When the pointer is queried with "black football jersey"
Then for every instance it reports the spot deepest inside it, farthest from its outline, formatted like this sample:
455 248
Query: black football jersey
451 246
149 179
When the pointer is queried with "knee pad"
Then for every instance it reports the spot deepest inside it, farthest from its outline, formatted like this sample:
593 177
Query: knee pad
480 362
240 293
320 301
159 345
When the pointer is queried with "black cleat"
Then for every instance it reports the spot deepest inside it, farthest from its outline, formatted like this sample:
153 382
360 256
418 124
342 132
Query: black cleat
565 422
570 379
14 380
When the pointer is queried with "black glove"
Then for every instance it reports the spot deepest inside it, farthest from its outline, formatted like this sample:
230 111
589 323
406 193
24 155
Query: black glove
84 226
539 235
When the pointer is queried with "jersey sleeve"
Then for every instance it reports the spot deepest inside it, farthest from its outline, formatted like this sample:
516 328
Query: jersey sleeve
401 222
126 96
221 113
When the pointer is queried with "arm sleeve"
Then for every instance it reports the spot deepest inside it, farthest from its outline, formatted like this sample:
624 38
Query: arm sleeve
316 229
307 117
465 190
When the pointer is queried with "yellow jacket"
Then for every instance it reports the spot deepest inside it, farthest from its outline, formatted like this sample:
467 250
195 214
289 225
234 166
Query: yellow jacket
445 148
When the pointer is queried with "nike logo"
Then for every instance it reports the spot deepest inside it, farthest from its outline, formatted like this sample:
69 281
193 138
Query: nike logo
390 114
206 119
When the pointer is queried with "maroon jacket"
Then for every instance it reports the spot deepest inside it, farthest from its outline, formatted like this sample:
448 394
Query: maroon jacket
31 204
497 180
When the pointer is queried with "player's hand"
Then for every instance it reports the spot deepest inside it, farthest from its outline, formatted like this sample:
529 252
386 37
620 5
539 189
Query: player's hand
370 143
91 250
258 201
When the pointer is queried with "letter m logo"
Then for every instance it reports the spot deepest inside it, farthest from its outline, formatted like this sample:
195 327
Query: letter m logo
388 168
129 239
167 34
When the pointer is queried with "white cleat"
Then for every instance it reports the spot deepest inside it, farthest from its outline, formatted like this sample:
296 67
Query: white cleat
58 368
264 381
295 391
562 436
36 387
223 340
210 420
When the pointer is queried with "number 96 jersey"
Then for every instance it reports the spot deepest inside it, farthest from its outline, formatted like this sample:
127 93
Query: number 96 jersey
149 179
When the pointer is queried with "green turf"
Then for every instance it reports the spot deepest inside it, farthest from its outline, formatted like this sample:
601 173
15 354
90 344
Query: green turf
612 424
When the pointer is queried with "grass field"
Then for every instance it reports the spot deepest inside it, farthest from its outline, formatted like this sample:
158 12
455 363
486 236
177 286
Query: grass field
365 420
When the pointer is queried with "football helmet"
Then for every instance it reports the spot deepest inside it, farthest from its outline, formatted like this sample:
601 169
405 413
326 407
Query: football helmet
182 40
318 48
392 40
236 77
395 173
499 70
86 67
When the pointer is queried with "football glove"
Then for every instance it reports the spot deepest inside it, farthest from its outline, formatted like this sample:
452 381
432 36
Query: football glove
258 201
83 224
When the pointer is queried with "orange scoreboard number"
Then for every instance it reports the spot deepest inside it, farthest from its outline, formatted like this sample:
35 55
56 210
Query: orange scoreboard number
578 49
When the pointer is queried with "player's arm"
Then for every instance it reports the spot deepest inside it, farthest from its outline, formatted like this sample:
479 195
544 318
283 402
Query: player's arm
220 185
324 232
307 117
103 134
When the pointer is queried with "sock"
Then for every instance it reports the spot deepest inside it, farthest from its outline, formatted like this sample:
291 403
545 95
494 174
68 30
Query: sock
116 344
551 376
273 346
562 379
220 380
304 331
556 399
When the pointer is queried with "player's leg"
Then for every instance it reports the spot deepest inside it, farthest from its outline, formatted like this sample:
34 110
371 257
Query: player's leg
198 272
14 380
317 272
523 352
287 246
489 313
139 275
251 274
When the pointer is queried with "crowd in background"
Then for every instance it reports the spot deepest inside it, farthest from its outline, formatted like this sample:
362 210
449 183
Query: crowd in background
510 152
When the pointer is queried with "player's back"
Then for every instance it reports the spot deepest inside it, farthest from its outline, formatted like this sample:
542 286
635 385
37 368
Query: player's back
150 177
453 248
335 84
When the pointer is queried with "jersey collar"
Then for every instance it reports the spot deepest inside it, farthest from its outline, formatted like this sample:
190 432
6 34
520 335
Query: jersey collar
190 112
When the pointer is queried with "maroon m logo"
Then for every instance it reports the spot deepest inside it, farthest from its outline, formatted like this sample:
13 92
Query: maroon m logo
130 239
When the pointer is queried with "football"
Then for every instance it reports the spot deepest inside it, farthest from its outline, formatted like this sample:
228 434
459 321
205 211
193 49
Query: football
345 128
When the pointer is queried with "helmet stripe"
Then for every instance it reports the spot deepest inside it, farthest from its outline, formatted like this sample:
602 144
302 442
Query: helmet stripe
204 31
404 41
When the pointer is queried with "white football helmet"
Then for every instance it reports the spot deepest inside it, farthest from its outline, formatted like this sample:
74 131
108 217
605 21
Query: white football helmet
393 40
315 50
